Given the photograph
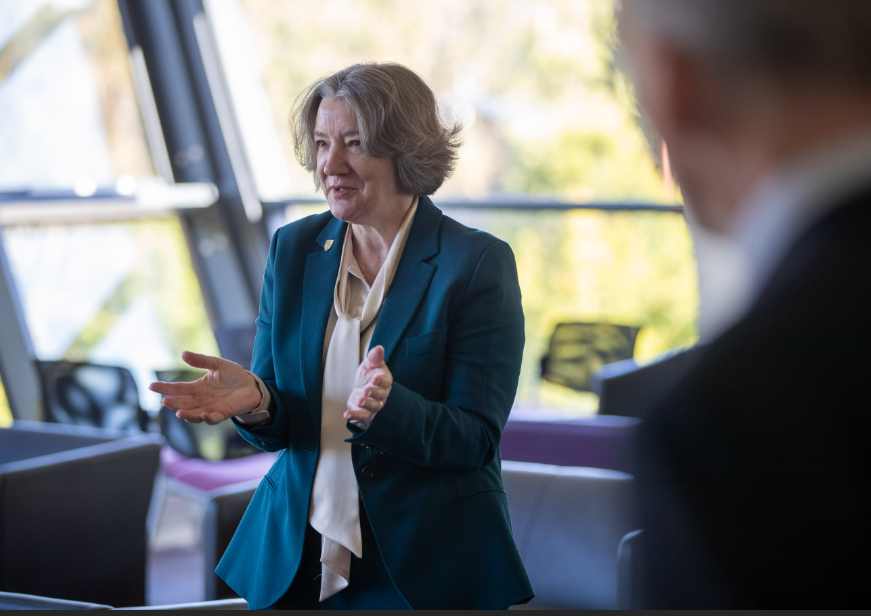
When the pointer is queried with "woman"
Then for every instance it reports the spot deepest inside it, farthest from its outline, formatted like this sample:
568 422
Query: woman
385 364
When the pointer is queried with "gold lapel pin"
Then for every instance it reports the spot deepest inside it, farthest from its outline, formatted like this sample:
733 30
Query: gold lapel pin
328 244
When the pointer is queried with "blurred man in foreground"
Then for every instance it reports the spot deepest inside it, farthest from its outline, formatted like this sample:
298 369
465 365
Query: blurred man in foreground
754 469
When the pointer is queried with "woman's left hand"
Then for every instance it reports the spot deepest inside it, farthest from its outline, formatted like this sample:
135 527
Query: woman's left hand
371 388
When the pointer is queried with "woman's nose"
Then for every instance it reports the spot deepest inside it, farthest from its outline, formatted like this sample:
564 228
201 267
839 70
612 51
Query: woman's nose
336 162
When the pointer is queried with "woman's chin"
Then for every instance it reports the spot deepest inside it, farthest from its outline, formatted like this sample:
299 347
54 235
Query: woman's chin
346 210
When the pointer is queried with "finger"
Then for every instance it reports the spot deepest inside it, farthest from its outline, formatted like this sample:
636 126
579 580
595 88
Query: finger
213 418
375 357
189 416
373 405
369 404
357 397
181 404
205 362
177 390
364 416
379 375
376 393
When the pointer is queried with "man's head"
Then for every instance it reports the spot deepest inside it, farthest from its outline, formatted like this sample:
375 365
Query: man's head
739 87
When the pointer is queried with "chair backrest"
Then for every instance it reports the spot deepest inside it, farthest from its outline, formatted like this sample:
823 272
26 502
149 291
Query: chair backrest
577 350
200 440
568 523
624 388
85 394
32 439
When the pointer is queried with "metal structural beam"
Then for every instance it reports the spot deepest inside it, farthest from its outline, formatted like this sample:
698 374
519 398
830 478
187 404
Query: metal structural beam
511 202
228 242
17 367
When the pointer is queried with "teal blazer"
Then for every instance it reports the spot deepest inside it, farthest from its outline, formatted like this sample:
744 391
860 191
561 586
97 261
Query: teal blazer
428 465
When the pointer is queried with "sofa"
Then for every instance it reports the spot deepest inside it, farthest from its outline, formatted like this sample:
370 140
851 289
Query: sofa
567 521
73 508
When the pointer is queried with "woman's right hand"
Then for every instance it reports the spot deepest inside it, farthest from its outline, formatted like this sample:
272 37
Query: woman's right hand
227 390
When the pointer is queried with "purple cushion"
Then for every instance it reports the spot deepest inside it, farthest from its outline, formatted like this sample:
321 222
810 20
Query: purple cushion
205 475
601 441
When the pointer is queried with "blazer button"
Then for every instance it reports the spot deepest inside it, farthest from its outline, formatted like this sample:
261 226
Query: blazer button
367 471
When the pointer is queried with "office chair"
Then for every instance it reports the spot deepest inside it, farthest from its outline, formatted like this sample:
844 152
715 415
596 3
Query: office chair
88 394
625 388
200 440
577 350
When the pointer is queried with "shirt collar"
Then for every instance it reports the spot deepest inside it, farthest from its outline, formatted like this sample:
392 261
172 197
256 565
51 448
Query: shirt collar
790 200
785 204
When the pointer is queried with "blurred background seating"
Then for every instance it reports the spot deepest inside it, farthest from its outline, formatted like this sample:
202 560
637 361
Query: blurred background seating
200 457
568 523
630 572
19 601
629 389
73 508
85 394
577 350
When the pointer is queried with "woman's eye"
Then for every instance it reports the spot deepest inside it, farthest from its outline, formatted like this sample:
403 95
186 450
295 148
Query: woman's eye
320 143
355 142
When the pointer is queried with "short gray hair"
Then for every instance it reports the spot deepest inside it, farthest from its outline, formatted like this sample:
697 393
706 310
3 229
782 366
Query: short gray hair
781 40
398 117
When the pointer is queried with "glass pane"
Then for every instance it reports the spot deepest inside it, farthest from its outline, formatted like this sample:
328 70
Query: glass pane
535 83
68 111
118 294
626 268
546 112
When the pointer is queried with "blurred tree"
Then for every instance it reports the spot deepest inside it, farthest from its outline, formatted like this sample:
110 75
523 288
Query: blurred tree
547 111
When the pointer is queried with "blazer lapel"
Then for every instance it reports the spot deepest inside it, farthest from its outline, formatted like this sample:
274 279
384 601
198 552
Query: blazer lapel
411 280
321 270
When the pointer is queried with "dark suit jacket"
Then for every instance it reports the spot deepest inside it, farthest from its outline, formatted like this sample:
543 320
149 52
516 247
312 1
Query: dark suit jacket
754 471
428 466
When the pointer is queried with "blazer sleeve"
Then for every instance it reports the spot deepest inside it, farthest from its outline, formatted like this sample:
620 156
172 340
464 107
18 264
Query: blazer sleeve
274 435
483 357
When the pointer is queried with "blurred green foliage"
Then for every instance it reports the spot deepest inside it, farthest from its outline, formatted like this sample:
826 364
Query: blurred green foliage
627 268
5 413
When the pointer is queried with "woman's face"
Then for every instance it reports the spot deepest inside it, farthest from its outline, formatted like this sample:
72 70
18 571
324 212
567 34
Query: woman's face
360 189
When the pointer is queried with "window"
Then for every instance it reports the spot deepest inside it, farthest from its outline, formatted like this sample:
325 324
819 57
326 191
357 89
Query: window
114 292
534 82
70 116
548 115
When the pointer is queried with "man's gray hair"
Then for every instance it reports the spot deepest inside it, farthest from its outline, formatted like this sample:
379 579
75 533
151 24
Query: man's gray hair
781 40
397 116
